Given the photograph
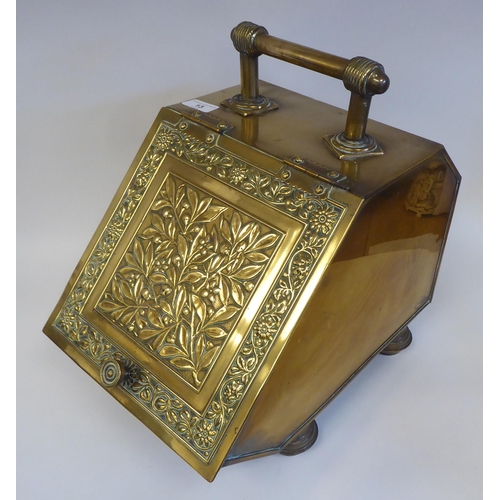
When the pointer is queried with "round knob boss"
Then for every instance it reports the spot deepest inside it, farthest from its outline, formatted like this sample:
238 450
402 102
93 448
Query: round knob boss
112 373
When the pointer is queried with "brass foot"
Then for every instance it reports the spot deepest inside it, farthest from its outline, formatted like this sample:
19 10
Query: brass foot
303 441
399 343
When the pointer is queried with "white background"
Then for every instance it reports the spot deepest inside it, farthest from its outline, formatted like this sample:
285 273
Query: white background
92 76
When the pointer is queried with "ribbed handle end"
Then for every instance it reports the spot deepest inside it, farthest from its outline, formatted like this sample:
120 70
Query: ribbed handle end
243 37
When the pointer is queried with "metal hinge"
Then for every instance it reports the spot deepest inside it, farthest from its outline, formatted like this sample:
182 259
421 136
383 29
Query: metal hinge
208 121
318 172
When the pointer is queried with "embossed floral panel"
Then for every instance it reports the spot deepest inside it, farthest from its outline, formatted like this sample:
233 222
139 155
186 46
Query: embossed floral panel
187 276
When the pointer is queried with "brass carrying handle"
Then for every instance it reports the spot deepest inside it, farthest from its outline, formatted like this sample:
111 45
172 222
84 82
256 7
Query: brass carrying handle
361 76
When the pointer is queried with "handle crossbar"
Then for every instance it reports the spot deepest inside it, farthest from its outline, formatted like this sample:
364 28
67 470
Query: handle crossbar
363 77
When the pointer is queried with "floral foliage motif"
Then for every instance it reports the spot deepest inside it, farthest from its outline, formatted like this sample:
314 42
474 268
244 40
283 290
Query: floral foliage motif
201 433
187 276
321 215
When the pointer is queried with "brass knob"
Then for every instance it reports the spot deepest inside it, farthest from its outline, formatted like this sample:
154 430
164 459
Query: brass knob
112 373
365 77
244 35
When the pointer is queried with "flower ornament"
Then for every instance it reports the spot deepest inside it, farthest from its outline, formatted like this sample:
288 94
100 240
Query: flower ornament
163 141
264 329
323 219
233 391
204 434
237 174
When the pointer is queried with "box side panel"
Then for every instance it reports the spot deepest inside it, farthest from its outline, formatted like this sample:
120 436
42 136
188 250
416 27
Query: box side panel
381 276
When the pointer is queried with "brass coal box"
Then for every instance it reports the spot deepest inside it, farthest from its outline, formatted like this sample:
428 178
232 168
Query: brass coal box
261 250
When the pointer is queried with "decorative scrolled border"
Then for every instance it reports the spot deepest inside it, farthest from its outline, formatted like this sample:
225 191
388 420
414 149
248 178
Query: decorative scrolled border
202 434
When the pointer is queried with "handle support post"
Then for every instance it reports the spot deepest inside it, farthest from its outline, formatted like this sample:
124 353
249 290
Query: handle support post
249 67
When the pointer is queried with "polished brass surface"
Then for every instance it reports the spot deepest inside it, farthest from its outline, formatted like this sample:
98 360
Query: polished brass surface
243 274
357 117
249 77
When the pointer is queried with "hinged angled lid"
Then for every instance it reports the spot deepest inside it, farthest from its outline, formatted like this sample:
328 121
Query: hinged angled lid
193 281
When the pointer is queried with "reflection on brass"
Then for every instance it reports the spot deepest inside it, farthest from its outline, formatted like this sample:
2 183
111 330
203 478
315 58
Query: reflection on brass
425 192
243 275
350 168
250 129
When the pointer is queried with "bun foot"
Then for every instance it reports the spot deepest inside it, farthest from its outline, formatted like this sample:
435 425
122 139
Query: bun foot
303 441
399 343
